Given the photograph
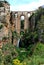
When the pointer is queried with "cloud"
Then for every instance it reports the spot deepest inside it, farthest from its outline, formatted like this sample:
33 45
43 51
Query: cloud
27 7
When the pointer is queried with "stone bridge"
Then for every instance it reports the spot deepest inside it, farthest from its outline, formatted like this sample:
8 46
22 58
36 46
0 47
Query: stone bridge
17 16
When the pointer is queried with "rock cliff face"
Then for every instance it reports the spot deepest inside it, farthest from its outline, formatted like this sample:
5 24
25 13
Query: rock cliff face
4 20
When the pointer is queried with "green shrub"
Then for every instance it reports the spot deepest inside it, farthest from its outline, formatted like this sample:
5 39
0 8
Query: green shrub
39 49
8 58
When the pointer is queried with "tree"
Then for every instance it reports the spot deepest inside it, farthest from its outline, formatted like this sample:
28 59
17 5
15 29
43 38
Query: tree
29 38
41 27
38 15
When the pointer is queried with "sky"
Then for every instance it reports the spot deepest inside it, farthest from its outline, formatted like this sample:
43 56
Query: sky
25 5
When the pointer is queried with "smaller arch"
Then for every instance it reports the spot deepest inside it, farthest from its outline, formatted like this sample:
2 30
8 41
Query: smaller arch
28 14
22 17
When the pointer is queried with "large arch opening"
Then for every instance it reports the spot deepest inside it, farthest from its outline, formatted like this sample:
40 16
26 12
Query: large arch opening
21 31
22 22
